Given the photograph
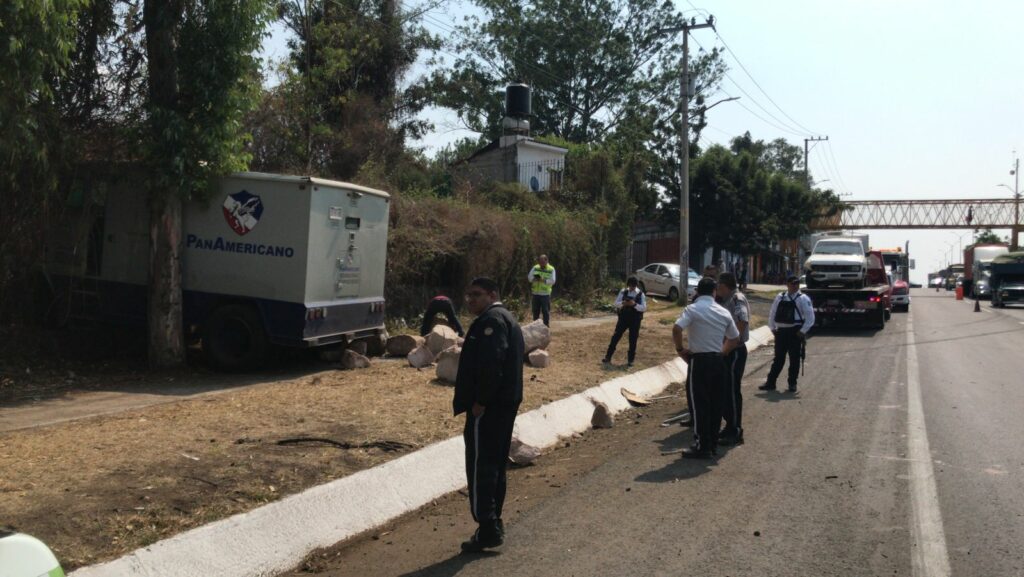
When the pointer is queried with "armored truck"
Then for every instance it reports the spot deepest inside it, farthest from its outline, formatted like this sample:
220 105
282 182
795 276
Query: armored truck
293 261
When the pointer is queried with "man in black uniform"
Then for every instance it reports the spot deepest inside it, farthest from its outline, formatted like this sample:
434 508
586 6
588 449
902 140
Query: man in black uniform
488 388
790 319
631 304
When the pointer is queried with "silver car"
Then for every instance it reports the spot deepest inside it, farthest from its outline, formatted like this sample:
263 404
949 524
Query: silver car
661 278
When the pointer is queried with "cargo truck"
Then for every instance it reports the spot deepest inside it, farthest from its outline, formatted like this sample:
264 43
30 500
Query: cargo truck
268 260
977 260
868 306
1007 278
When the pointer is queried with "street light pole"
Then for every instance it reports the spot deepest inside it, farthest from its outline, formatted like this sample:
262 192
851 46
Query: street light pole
1016 204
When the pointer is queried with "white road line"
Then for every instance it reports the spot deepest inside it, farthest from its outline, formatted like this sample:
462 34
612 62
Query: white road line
929 557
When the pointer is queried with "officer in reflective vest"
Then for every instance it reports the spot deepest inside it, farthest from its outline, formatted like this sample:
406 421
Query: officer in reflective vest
790 319
542 278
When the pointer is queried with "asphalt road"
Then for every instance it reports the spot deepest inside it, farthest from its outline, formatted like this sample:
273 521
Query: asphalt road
900 455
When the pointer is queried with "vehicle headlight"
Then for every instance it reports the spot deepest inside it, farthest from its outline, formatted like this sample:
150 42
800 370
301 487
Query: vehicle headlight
854 268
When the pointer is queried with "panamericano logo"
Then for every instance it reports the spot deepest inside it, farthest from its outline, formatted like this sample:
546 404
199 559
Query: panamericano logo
242 210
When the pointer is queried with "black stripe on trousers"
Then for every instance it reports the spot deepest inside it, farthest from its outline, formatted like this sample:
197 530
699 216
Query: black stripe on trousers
732 406
488 440
707 381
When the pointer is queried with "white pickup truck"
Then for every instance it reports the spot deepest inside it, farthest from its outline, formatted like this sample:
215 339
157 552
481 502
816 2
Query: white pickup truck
836 261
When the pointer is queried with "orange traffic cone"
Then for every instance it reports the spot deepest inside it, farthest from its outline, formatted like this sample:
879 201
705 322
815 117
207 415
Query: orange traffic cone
977 305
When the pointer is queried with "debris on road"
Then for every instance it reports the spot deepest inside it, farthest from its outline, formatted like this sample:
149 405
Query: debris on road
633 398
603 418
420 357
351 360
536 335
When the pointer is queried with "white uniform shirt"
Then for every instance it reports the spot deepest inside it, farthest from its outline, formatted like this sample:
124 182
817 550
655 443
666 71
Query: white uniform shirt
708 324
638 297
804 310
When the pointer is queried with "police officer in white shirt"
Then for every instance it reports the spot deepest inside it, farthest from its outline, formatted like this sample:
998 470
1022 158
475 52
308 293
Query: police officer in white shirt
712 335
631 304
790 319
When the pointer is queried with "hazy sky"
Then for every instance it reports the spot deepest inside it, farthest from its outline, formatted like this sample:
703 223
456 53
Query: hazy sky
920 99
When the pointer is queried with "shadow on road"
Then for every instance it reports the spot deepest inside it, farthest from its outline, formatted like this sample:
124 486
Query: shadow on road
452 565
678 468
778 396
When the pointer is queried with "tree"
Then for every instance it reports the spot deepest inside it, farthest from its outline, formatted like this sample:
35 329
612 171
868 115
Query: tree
202 78
987 237
592 66
341 103
37 39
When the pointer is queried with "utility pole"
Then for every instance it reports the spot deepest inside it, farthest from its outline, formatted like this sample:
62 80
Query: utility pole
684 155
807 154
1016 205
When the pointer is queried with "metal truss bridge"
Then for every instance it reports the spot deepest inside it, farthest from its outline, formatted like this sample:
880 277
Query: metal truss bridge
922 214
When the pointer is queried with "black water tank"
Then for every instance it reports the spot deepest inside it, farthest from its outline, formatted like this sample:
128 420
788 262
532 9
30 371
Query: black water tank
517 101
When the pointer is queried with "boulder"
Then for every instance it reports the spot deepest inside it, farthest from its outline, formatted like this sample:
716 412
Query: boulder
441 338
536 335
602 418
420 357
402 345
539 358
448 364
352 360
522 454
358 347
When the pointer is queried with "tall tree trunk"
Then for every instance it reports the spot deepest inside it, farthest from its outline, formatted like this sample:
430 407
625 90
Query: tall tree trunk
166 339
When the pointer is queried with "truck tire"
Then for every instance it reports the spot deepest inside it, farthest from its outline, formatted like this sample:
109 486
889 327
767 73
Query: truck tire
879 320
234 339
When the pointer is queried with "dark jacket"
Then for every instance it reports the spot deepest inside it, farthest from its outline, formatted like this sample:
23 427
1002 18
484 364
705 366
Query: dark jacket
491 363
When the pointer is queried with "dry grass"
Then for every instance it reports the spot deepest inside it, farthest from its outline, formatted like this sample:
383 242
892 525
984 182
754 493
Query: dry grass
97 488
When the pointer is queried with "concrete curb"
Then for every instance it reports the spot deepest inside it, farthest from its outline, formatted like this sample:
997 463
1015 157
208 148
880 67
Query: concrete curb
274 538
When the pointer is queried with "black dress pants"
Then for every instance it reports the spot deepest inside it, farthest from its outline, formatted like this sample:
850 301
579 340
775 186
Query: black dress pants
488 440
787 343
706 382
732 404
542 308
628 321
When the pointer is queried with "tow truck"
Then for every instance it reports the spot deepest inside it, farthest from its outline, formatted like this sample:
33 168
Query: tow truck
869 306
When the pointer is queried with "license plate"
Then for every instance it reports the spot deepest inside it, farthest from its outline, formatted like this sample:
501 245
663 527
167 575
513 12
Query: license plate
865 305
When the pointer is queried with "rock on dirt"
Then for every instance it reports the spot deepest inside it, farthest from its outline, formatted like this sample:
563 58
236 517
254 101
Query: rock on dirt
402 345
441 338
420 357
522 454
448 364
539 358
602 418
536 335
359 347
352 360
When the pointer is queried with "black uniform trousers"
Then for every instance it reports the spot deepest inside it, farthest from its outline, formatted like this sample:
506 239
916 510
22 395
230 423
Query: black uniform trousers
488 440
706 381
629 320
436 307
732 403
542 306
787 343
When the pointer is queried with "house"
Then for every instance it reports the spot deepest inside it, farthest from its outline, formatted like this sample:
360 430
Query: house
515 156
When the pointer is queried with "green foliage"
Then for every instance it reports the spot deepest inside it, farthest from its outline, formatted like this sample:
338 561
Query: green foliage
341 103
988 237
594 67
200 135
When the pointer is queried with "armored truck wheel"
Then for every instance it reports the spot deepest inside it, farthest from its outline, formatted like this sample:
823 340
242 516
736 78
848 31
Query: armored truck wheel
234 339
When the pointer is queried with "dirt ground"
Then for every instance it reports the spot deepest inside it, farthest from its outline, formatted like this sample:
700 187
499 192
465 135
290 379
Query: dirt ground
97 488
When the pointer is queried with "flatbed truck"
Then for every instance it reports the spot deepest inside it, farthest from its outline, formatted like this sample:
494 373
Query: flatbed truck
870 306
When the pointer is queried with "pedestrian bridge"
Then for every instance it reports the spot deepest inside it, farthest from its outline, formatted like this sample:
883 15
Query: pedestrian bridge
908 214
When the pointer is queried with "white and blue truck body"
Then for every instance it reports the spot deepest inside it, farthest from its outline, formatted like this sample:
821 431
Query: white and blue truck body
267 259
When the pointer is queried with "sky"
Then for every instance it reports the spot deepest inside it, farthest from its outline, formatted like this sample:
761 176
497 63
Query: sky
919 99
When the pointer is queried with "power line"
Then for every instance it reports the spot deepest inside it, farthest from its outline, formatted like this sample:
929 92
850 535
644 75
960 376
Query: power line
836 166
752 79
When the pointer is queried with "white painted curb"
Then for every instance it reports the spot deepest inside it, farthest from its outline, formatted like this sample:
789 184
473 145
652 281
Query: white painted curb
276 537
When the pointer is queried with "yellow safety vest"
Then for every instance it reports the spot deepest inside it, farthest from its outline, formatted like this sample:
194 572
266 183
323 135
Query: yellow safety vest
541 287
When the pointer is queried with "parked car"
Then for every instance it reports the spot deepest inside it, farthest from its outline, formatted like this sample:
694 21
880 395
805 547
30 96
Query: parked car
662 278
